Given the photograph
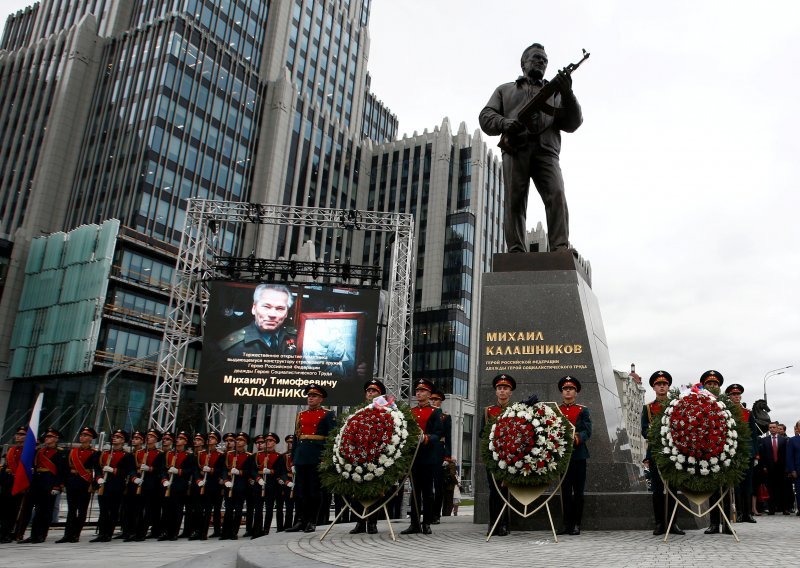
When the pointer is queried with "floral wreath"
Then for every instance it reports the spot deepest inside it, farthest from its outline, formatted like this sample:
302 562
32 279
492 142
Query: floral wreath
699 441
371 450
530 443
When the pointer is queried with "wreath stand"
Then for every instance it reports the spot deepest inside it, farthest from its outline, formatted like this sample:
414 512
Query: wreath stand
526 495
697 498
367 504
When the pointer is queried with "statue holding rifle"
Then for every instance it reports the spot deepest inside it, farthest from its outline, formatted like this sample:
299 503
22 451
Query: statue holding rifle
530 114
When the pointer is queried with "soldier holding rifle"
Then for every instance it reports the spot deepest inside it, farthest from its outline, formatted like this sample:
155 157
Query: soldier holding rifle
111 474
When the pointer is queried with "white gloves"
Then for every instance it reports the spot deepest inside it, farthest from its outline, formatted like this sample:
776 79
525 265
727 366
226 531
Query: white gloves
54 492
229 484
261 482
101 481
290 484
173 470
138 480
201 483
145 467
108 469
206 469
165 483
235 471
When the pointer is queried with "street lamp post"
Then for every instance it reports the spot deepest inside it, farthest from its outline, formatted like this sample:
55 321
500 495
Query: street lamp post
772 373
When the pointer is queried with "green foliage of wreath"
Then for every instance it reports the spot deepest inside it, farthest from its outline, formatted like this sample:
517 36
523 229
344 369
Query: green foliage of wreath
729 476
376 488
503 475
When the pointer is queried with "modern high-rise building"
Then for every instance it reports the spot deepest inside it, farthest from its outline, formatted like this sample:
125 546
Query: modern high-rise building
124 110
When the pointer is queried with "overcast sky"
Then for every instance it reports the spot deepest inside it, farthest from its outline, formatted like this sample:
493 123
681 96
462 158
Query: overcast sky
684 180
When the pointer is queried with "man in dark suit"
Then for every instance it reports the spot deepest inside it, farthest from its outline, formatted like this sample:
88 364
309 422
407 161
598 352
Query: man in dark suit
793 462
429 420
772 457
444 452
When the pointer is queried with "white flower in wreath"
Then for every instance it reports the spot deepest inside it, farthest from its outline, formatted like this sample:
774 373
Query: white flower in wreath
664 429
665 450
348 467
678 466
389 462
727 463
703 464
346 475
359 469
715 468
404 434
713 461
691 459
395 439
371 467
535 422
501 464
704 472
673 458
681 458
398 421
512 470
733 434
518 464
369 477
721 405
356 478
674 451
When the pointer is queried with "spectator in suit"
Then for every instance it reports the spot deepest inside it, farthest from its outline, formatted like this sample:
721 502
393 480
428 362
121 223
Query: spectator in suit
772 457
793 462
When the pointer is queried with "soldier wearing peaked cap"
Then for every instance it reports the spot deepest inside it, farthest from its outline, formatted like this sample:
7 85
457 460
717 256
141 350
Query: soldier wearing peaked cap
49 473
712 380
429 419
111 474
503 384
660 381
208 489
373 388
574 482
285 499
10 503
312 427
444 450
127 514
235 486
147 487
176 478
744 491
82 462
267 466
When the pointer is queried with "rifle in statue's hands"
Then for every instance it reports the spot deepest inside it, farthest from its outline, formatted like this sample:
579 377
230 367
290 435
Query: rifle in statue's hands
527 114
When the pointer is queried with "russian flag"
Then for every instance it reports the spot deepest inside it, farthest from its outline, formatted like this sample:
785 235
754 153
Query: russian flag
24 473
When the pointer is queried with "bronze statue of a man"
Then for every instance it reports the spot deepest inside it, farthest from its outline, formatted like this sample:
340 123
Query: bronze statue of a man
535 154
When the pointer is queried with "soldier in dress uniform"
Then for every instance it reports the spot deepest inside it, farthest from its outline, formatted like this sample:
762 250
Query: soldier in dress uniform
504 384
660 381
429 420
312 427
176 479
372 388
269 466
82 462
235 486
208 487
444 450
254 500
712 381
575 479
192 507
10 504
49 474
744 491
286 498
130 499
147 488
268 333
230 444
111 475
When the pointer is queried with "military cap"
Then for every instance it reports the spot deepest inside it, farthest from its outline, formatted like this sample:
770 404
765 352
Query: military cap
137 434
711 375
375 384
259 438
52 432
167 434
314 388
289 438
123 433
202 437
88 430
155 433
424 384
214 434
569 381
504 379
734 388
274 436
22 430
660 377
438 394
244 435
183 434
229 436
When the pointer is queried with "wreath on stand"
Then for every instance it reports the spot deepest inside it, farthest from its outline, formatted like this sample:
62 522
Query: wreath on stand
371 450
530 443
700 441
